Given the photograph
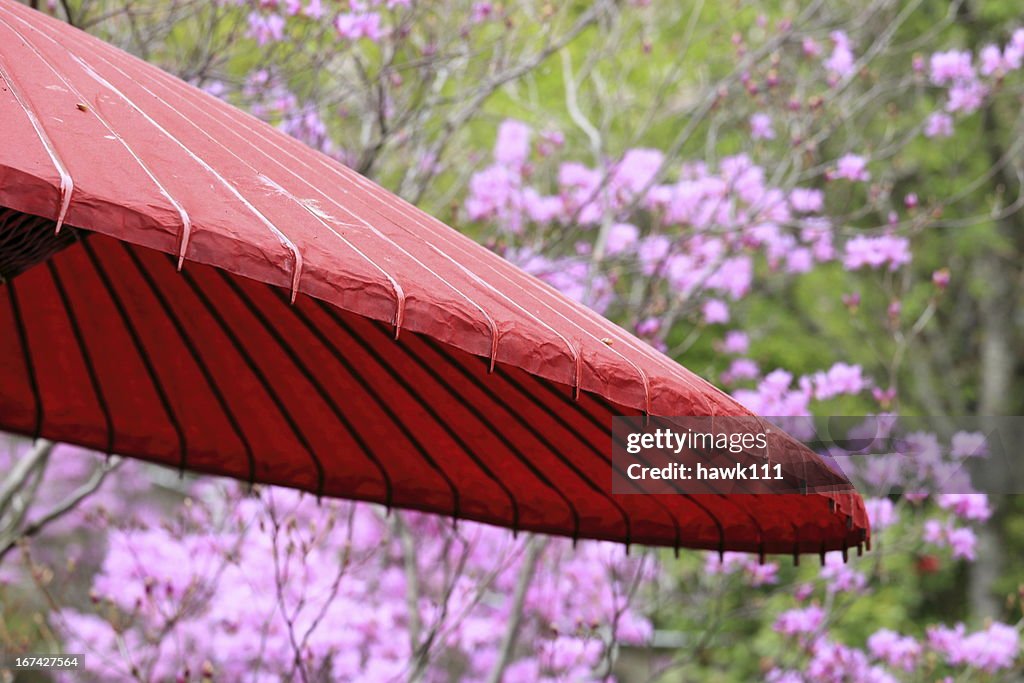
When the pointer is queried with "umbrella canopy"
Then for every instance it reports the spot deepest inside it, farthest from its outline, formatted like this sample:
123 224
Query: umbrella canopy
186 284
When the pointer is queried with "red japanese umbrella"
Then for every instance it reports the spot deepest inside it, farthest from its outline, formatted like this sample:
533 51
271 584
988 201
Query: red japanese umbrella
185 284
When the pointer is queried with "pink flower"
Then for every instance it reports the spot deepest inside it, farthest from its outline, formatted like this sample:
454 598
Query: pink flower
491 191
800 621
652 252
539 208
810 47
990 650
991 60
881 512
761 127
970 506
740 369
946 640
715 311
995 648
574 175
637 169
482 11
733 277
938 125
353 26
968 444
841 61
894 310
875 252
885 397
852 167
762 574
735 342
633 629
314 10
840 379
799 260
1013 54
648 327
806 200
566 653
622 237
998 63
841 577
266 28
951 67
512 146
897 651
962 542
966 97
550 141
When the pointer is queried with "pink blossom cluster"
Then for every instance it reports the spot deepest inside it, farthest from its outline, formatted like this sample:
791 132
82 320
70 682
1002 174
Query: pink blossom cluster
778 395
840 576
355 20
243 585
961 540
890 656
875 252
754 572
992 649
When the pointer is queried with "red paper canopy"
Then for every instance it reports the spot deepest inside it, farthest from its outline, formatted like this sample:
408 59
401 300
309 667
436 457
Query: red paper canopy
323 333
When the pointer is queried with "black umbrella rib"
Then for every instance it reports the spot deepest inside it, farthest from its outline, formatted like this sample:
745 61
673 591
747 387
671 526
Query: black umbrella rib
410 391
376 396
593 420
193 351
693 499
459 367
539 436
26 352
83 348
258 374
490 426
587 443
140 349
318 386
